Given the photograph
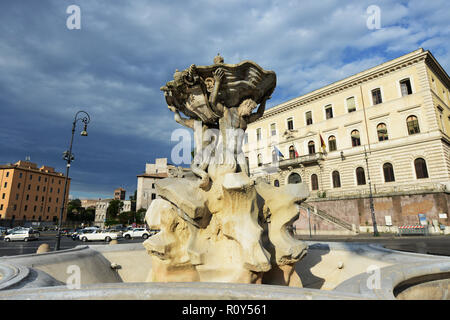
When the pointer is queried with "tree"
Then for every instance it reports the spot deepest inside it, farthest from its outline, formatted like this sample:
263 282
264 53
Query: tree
114 207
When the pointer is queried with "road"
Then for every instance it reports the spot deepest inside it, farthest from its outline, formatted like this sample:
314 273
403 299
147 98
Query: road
21 247
437 245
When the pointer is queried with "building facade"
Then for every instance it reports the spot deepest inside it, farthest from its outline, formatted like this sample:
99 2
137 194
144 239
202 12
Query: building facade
119 194
29 193
385 130
146 190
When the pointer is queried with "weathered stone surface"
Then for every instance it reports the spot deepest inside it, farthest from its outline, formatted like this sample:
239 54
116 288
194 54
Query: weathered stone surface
210 225
282 203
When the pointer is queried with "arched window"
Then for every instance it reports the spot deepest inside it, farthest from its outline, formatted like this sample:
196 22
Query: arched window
336 179
276 183
413 125
421 168
294 178
314 182
360 176
382 132
356 141
291 152
332 143
311 147
388 171
259 160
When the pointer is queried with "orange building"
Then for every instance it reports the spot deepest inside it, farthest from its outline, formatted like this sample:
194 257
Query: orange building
29 193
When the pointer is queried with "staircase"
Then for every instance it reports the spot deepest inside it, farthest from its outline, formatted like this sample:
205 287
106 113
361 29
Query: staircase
328 217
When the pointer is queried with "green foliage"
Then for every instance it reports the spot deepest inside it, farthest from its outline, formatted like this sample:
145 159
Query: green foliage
114 207
76 213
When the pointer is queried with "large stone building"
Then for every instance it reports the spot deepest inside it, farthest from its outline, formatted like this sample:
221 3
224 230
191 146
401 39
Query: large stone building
29 193
119 194
146 191
385 130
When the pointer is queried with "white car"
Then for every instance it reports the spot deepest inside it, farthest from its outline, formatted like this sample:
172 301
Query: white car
22 235
137 233
98 235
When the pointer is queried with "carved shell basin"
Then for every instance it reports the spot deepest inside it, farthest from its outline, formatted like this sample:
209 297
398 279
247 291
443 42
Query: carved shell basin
241 81
245 80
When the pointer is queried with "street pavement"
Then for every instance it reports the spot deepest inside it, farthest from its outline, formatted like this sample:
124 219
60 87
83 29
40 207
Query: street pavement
436 245
49 237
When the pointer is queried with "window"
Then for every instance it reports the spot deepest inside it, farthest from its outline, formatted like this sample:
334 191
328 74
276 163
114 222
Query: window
360 176
328 112
259 160
308 116
405 87
382 132
1 207
37 188
6 183
27 197
153 196
29 187
258 134
314 182
421 168
3 196
7 173
18 185
51 190
273 129
34 209
351 106
17 196
413 125
15 207
290 124
31 177
39 178
25 208
332 143
276 183
36 198
388 172
291 152
336 179
20 175
311 147
294 178
376 96
356 141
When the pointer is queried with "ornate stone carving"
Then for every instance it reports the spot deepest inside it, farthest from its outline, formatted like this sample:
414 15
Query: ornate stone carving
213 223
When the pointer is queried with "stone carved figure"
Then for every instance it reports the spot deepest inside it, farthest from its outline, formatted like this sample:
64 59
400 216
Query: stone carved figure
213 221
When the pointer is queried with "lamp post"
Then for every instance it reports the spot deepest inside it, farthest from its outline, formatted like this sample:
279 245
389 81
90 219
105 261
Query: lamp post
372 210
68 156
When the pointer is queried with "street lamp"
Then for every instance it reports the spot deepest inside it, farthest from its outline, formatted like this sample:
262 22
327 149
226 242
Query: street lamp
68 156
372 210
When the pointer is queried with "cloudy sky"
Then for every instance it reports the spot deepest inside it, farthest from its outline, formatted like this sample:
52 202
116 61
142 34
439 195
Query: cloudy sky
125 51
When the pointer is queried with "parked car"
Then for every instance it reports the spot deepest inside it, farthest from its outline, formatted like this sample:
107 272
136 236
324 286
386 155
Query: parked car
22 235
76 235
98 235
139 233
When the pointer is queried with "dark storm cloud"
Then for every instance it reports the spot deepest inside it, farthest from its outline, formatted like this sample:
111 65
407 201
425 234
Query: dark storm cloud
114 66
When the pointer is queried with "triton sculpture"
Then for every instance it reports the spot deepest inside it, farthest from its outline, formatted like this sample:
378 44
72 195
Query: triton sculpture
217 224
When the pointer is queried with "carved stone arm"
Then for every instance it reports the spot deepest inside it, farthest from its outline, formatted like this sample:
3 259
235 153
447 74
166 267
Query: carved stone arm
218 76
260 112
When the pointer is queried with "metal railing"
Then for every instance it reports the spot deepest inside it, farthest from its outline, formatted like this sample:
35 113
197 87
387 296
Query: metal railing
326 216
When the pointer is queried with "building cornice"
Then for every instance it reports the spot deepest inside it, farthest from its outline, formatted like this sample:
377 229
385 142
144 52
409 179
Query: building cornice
355 80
